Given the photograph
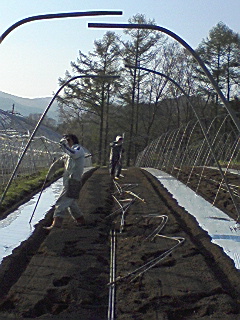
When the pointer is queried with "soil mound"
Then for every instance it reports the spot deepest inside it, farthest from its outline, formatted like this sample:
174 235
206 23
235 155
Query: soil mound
166 266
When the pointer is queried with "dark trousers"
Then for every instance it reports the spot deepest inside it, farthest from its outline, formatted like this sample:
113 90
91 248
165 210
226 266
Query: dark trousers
115 168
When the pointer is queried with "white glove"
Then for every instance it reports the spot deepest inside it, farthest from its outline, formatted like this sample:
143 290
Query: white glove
63 141
88 155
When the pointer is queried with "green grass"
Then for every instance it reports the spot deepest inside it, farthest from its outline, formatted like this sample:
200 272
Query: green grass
23 186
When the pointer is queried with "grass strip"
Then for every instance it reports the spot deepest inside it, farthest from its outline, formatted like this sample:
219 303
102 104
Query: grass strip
22 187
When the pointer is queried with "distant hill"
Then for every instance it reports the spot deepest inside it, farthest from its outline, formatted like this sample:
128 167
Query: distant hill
25 106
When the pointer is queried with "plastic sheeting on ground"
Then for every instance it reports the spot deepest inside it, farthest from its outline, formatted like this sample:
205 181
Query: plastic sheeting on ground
223 230
15 228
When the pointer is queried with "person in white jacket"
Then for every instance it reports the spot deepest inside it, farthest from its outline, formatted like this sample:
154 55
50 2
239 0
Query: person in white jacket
73 163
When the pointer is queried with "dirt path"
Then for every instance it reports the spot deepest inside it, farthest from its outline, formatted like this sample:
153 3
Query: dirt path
64 274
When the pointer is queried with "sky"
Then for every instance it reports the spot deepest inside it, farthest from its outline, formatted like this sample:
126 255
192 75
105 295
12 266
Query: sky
36 54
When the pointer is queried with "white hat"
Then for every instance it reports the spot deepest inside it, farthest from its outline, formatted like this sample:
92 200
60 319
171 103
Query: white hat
118 138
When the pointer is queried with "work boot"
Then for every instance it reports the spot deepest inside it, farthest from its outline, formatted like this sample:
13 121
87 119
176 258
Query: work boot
57 223
80 221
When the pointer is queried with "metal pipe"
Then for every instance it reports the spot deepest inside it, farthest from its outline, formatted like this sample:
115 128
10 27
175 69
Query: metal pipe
171 148
186 46
179 146
209 152
160 153
55 16
202 128
184 156
112 277
40 121
40 194
166 147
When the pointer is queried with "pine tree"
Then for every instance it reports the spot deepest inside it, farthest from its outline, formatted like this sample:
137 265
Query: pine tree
93 95
220 52
139 50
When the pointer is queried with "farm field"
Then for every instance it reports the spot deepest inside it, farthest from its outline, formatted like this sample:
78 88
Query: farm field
65 273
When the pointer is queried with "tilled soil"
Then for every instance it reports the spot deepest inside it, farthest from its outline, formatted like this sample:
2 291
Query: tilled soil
162 272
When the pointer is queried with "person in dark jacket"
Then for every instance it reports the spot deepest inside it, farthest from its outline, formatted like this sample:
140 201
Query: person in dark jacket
116 150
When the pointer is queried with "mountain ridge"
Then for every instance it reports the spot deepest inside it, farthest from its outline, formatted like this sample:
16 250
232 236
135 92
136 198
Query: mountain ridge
26 106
